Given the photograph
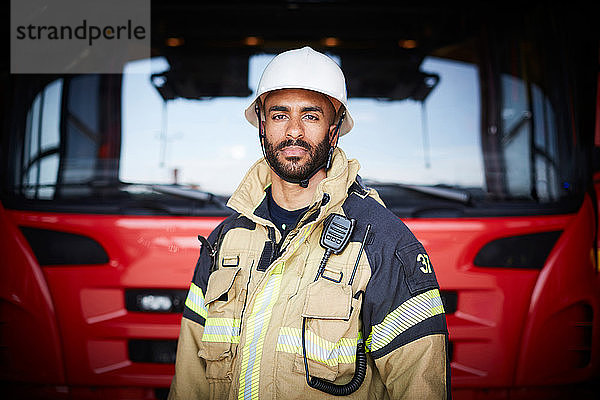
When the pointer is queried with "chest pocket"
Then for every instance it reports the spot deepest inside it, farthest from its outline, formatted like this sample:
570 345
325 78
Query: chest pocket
225 296
332 325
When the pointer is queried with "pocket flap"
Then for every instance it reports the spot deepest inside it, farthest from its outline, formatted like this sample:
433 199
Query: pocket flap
419 273
327 300
219 283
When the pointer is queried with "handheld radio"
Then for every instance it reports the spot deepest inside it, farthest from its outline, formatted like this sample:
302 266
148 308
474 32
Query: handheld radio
336 235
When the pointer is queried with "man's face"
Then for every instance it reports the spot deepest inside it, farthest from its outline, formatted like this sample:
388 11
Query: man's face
299 130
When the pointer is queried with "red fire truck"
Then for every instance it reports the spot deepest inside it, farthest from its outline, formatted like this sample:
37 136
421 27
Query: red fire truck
476 126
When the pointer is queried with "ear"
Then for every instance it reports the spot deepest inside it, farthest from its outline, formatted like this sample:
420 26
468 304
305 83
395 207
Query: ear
333 135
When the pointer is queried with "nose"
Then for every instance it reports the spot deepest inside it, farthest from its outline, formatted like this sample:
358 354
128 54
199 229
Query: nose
294 128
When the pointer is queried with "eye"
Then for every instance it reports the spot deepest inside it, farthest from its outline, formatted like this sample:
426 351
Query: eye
311 117
278 117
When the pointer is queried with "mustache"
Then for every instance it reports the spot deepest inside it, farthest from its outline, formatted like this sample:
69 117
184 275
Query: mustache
291 142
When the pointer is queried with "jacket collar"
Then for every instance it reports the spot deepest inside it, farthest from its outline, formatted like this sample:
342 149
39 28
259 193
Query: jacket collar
249 198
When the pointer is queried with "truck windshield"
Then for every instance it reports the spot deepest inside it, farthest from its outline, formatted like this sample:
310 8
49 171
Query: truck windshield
446 132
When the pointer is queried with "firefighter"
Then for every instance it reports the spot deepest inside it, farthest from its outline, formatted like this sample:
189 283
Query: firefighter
312 288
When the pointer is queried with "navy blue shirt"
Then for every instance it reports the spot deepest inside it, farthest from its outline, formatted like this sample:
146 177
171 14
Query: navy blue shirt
283 219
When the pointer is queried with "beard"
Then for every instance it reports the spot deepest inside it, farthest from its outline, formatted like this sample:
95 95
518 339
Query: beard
291 168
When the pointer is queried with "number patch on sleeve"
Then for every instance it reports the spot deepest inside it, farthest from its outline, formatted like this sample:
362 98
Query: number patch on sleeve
423 259
418 270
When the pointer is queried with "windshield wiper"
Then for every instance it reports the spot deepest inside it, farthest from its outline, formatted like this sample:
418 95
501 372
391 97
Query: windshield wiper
184 192
446 193
125 198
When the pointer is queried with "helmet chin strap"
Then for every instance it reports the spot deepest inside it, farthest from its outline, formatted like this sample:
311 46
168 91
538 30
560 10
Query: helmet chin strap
327 164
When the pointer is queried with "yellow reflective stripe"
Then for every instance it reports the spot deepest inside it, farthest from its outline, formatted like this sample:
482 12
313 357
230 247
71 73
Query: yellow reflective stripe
206 337
258 322
405 316
256 328
223 330
302 235
195 301
223 321
317 348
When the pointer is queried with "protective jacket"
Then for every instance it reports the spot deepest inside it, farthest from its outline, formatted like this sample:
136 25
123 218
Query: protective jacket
241 333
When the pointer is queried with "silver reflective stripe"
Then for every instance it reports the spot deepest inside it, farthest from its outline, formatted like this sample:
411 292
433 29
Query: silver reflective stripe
224 330
318 349
405 316
195 301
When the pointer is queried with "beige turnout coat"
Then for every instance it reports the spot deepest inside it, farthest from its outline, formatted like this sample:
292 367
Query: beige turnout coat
241 333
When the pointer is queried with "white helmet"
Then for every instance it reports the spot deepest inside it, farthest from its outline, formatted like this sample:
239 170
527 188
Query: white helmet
303 68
